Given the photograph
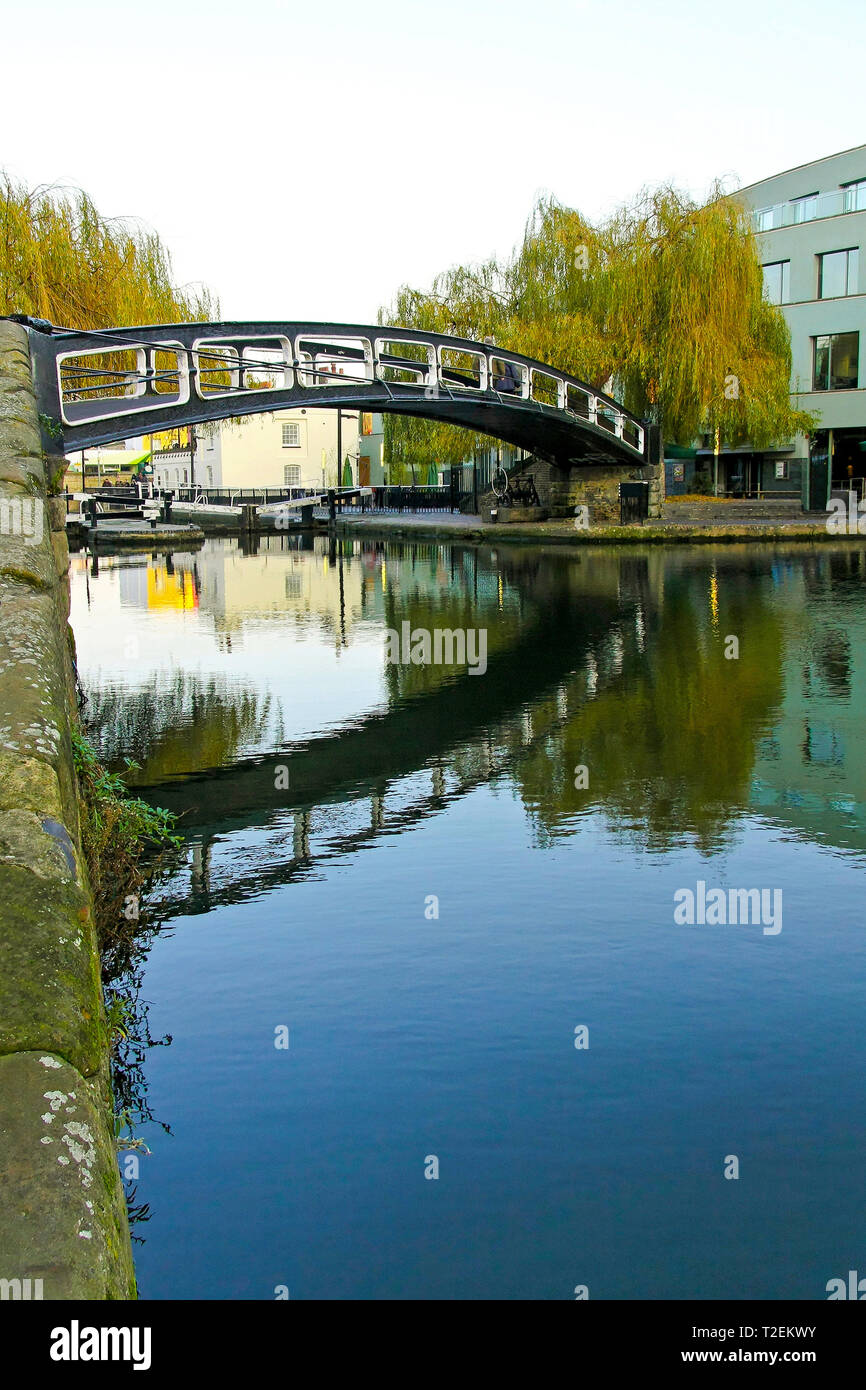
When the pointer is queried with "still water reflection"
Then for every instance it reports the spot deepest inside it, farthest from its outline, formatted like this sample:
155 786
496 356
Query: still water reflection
332 804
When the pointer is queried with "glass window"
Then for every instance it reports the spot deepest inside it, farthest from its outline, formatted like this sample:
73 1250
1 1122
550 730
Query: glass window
805 208
292 475
855 196
836 362
838 273
292 436
777 282
764 219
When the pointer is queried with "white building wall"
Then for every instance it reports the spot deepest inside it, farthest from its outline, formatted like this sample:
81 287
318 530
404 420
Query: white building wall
172 469
287 448
296 448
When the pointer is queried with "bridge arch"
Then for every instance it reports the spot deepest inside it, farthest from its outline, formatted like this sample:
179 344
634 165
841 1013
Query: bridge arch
102 386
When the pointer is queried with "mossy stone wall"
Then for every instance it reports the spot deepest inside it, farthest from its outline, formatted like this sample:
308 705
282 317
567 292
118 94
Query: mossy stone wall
62 1210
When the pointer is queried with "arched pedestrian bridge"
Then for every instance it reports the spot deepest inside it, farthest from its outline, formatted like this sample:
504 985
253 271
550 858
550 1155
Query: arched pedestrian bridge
113 384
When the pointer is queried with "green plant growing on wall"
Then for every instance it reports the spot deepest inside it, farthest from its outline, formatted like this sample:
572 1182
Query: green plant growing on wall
52 427
55 478
117 831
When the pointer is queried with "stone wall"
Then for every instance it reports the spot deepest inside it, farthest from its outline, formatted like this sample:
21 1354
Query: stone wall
561 490
62 1211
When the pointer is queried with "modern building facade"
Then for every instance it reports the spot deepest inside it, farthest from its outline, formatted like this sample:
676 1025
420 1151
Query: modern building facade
811 222
811 226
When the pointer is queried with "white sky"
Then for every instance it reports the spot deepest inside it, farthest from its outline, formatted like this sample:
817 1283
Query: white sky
306 159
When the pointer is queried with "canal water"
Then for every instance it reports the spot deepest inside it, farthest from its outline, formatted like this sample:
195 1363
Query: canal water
429 1019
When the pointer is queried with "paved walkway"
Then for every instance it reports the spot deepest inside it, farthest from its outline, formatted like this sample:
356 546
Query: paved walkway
458 521
670 525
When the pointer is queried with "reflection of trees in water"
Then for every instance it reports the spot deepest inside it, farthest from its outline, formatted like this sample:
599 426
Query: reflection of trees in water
459 614
505 593
174 724
667 727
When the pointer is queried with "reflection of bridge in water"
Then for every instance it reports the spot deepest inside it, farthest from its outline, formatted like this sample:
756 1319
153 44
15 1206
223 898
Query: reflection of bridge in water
398 766
601 660
394 805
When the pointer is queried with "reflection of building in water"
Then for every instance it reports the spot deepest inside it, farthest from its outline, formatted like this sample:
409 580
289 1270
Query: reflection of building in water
312 586
336 584
165 590
156 582
810 769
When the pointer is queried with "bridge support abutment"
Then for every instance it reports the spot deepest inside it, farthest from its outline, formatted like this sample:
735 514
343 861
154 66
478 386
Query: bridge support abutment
564 487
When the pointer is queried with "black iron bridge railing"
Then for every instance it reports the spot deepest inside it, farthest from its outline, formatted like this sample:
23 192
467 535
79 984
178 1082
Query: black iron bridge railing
103 386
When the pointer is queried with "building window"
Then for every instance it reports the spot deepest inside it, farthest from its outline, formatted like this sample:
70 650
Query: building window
211 444
805 208
855 196
292 474
777 276
764 219
836 361
838 273
292 435
366 422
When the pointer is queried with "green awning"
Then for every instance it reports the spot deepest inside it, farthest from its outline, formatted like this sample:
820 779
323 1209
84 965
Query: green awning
679 451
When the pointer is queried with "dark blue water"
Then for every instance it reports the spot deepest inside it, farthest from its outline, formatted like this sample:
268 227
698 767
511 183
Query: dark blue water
310 907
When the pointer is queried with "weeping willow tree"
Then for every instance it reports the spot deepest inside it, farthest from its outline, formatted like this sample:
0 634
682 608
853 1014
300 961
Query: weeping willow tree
675 293
61 260
661 302
465 302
